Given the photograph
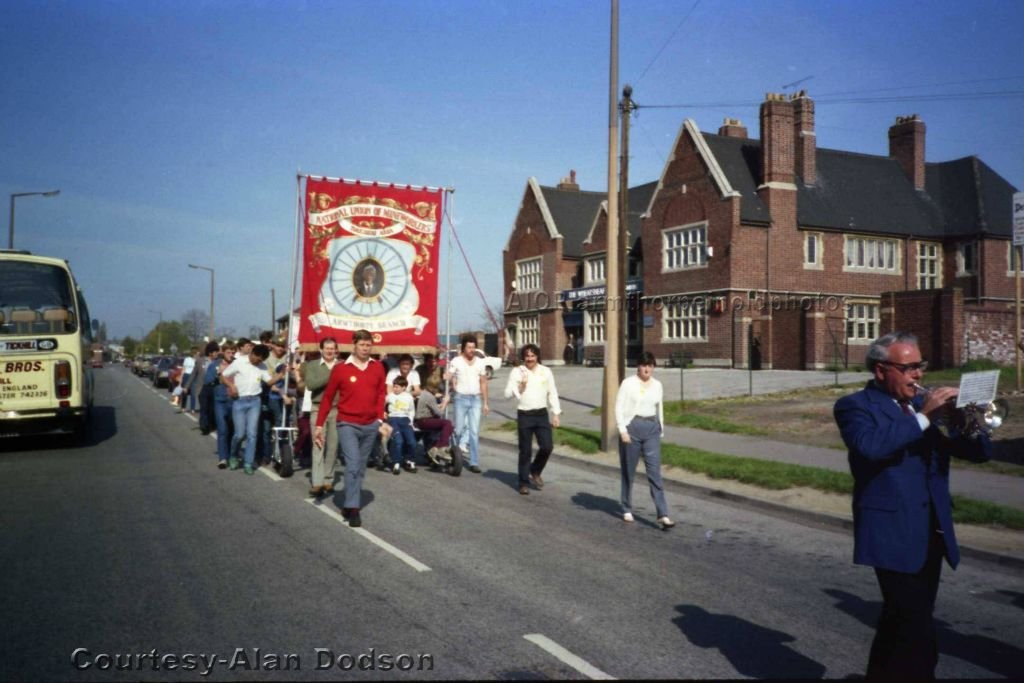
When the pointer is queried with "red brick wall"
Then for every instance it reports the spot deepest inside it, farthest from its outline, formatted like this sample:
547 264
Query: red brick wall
935 316
989 333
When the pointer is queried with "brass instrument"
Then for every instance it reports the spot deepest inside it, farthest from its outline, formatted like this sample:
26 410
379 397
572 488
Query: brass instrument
973 419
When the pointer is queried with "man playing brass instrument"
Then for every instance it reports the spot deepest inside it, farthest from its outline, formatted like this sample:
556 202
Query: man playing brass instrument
902 515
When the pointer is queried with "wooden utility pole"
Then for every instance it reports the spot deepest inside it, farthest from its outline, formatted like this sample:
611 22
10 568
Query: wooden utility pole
613 284
626 108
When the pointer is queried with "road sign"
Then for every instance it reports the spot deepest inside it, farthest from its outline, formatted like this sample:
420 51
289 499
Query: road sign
1018 219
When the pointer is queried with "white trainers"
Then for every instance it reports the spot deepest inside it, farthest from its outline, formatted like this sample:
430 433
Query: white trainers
396 469
666 523
627 517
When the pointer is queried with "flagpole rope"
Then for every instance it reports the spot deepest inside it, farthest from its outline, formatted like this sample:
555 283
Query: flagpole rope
472 275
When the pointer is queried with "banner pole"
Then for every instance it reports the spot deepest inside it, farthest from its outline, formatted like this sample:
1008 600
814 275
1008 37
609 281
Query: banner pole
448 203
291 300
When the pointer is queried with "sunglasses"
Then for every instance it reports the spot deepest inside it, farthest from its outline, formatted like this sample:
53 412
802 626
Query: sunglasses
907 367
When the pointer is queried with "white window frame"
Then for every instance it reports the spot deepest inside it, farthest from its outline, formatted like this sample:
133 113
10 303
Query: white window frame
863 321
871 255
929 258
1009 259
684 247
530 274
594 329
967 258
815 260
529 330
684 322
594 270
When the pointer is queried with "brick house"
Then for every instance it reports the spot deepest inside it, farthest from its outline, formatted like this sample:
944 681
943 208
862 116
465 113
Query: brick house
542 259
779 254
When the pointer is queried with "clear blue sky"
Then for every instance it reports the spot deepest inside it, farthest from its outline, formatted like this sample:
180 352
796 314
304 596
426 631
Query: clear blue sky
174 130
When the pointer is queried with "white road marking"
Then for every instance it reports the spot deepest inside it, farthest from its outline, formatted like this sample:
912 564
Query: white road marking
384 545
566 657
269 471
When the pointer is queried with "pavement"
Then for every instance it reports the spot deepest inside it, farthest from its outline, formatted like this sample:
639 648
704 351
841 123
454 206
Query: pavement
580 392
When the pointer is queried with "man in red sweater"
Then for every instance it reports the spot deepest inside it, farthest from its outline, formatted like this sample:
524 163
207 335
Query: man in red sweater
358 390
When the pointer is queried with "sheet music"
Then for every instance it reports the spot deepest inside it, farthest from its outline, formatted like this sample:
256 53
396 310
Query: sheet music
977 387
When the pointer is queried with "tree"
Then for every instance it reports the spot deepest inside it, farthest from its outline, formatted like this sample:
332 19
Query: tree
196 324
254 332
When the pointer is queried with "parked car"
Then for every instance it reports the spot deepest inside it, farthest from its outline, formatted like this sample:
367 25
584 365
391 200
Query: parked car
177 372
492 363
162 371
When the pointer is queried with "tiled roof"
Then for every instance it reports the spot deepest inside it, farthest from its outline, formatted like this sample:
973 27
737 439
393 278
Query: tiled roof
573 212
867 193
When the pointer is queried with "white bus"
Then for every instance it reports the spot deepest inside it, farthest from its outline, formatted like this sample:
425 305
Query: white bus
46 382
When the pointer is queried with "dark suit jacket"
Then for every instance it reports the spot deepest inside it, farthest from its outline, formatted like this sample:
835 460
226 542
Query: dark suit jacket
898 470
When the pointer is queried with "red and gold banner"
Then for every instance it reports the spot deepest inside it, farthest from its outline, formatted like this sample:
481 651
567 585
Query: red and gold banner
370 261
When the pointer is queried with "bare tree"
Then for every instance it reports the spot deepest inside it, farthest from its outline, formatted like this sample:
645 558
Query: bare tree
195 323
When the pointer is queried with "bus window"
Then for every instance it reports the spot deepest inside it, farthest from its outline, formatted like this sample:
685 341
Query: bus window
35 298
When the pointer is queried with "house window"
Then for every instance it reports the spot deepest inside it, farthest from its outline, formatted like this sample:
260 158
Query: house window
1014 258
685 247
528 274
862 322
595 270
929 265
967 258
594 327
813 243
529 330
867 254
685 322
635 268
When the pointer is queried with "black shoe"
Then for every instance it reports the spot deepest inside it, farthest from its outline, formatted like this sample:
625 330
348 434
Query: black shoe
474 469
354 520
346 512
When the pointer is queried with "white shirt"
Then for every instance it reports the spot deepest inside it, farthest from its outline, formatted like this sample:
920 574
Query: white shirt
922 420
401 405
466 376
188 365
540 388
248 377
413 377
637 398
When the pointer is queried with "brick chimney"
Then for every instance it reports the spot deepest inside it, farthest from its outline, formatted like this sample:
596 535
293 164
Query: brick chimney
569 183
804 139
776 140
906 146
733 128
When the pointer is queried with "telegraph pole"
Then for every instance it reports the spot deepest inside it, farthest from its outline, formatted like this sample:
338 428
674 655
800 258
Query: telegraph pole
626 107
613 284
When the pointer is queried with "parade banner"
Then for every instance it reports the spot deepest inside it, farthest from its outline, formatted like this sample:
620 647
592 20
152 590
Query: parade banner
370 261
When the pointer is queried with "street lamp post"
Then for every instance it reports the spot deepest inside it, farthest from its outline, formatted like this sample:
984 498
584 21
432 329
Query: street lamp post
10 227
212 276
159 332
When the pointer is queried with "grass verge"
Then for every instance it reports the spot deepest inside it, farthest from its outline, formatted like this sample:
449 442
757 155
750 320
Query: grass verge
768 474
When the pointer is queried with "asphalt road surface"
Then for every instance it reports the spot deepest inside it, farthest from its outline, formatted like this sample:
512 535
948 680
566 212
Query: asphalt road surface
134 551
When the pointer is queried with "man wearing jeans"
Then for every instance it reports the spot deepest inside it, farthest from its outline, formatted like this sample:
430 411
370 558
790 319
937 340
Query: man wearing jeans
243 379
358 384
533 385
468 377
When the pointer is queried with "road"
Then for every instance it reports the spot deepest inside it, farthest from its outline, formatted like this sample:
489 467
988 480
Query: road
134 550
